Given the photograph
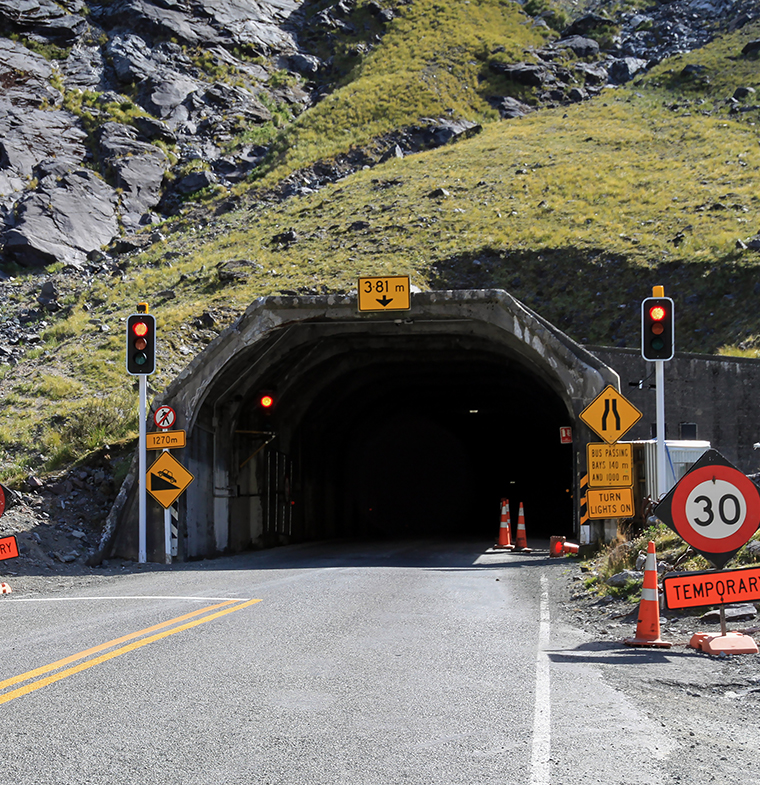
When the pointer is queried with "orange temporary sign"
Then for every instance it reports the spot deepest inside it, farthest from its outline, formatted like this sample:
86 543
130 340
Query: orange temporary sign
692 589
8 548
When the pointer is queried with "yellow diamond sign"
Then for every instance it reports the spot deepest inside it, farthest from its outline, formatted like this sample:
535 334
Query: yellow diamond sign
610 415
167 479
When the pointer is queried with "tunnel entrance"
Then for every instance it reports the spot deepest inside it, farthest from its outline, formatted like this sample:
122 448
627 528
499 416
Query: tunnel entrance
383 426
428 445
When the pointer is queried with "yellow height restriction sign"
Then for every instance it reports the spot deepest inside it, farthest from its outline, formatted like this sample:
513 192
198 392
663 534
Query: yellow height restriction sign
385 293
167 479
610 415
609 465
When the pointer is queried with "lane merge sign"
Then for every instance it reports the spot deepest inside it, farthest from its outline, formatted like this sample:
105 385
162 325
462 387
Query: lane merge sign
714 507
167 479
692 589
385 293
610 415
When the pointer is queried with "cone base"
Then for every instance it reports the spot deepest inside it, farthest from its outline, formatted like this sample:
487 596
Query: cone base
498 547
655 643
730 643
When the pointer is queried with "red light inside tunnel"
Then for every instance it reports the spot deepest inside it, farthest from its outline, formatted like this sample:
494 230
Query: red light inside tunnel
266 401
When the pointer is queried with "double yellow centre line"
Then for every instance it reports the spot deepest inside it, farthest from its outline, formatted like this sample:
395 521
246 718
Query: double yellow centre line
39 683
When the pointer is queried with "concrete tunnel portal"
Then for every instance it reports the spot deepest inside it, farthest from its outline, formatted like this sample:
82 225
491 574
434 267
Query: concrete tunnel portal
383 426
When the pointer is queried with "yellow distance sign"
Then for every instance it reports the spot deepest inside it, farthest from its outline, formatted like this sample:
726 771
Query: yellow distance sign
165 440
609 465
610 415
609 503
385 293
167 479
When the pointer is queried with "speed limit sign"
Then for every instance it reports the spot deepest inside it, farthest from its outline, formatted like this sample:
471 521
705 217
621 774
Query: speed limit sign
715 508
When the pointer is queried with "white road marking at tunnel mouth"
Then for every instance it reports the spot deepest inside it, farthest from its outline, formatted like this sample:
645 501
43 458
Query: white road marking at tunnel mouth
540 773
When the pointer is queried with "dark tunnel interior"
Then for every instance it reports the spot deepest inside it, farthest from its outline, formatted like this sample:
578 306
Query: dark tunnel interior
427 445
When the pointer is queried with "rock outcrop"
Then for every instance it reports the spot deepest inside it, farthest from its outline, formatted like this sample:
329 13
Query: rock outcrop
136 103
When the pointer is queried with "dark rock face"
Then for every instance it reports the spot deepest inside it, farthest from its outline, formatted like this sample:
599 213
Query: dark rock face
633 43
82 138
72 180
62 220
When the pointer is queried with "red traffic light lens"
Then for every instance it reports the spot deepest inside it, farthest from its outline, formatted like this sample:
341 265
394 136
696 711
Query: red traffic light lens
140 329
266 401
657 313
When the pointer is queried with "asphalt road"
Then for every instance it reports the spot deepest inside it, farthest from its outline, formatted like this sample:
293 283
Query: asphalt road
369 664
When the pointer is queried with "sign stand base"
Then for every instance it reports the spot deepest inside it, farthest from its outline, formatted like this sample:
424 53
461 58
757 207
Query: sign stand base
726 643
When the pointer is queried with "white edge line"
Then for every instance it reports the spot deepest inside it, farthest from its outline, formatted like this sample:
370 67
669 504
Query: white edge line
139 597
540 772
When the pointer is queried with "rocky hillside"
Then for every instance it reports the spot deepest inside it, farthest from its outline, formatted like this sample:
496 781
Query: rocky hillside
199 155
112 114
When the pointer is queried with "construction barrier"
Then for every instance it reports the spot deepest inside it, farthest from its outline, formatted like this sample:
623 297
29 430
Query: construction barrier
648 627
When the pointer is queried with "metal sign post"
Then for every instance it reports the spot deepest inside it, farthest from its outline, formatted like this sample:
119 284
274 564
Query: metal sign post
141 362
659 366
142 453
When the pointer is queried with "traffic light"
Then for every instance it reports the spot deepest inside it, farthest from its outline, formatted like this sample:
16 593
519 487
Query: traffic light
267 401
141 344
657 328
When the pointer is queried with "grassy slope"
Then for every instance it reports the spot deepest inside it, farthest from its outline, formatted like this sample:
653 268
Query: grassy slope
578 211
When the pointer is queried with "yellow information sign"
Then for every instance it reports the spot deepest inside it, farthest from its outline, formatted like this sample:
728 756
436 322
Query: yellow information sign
385 293
167 479
609 502
610 415
165 440
609 465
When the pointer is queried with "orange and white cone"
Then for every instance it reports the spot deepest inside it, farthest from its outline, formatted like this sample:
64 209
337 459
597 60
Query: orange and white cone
521 540
5 589
556 546
648 627
505 528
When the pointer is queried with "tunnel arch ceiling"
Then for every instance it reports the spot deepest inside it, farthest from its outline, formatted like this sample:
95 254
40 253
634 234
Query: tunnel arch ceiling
384 425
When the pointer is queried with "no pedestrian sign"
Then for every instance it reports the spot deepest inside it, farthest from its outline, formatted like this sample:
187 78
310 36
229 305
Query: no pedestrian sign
715 508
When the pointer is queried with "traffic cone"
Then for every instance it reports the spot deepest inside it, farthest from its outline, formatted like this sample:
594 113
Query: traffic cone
5 588
505 531
521 542
556 546
648 627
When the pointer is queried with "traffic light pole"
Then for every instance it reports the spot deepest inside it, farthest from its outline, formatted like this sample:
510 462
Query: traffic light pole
142 453
659 367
